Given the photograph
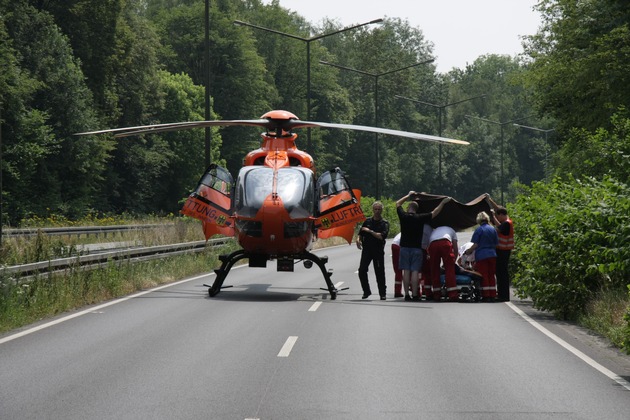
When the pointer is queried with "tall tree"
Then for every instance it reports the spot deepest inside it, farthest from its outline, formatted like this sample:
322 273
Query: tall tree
237 73
581 61
181 100
92 26
375 61
499 152
41 150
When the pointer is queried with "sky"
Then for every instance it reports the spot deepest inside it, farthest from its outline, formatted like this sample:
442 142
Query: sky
460 30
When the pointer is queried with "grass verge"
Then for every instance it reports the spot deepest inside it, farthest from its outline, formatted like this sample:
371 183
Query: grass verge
44 296
605 316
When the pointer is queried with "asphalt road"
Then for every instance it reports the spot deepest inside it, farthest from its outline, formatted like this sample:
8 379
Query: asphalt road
276 347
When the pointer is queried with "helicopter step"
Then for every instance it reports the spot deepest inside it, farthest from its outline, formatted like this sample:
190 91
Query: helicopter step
284 264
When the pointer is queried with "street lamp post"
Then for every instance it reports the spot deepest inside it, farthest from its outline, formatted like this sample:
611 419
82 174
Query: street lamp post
1 208
440 109
546 132
308 58
376 77
208 138
501 125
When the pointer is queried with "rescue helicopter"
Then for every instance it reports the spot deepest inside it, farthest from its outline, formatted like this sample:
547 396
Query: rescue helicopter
277 206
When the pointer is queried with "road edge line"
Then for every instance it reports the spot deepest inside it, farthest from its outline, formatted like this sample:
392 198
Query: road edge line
610 374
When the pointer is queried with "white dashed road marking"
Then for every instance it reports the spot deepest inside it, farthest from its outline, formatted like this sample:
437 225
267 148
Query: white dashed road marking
288 346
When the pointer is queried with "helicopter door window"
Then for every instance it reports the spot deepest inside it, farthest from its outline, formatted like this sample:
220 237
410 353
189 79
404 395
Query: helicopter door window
217 178
333 183
215 188
334 192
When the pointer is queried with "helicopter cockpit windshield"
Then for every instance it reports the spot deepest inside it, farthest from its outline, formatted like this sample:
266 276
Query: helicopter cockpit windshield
295 187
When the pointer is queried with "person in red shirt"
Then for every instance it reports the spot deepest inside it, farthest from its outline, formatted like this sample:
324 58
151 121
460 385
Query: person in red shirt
442 249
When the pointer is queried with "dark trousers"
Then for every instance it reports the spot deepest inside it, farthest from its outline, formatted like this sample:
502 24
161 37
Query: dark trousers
503 274
377 258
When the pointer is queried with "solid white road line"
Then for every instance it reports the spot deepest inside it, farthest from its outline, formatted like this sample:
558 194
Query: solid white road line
612 375
288 346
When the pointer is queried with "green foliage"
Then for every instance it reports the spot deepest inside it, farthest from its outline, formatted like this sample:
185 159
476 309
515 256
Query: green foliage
499 153
239 79
598 154
626 330
92 28
574 240
383 59
580 67
389 213
82 65
48 103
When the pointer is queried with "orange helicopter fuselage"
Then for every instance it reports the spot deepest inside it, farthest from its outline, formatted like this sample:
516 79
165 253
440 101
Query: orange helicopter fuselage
274 229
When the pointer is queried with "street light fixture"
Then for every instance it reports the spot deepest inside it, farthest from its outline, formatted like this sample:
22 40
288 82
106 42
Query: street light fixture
308 58
501 125
440 109
376 76
546 132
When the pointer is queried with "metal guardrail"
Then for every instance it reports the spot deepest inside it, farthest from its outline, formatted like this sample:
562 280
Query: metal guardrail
143 253
79 230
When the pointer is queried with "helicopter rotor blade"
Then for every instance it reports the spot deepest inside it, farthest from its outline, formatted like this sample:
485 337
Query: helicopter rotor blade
271 124
399 133
159 128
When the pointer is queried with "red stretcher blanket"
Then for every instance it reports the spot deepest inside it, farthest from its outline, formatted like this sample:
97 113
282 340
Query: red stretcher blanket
459 216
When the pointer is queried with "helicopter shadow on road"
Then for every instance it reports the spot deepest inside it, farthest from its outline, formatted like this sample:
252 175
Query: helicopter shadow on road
254 292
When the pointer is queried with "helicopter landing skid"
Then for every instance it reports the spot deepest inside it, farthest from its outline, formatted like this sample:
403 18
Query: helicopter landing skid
321 263
227 261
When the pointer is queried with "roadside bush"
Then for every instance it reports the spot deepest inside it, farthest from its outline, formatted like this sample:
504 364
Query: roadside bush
573 243
626 333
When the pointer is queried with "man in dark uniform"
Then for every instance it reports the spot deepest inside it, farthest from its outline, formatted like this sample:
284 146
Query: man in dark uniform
371 242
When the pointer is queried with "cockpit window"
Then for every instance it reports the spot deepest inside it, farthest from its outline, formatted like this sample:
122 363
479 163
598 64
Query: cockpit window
295 189
295 186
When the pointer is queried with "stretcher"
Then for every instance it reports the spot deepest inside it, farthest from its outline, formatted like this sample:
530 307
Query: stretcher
468 285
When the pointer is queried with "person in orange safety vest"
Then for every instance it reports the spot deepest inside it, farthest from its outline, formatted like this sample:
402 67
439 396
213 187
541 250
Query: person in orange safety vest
505 229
